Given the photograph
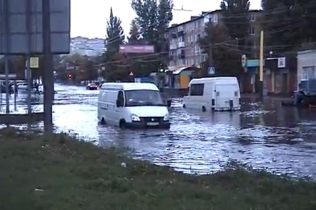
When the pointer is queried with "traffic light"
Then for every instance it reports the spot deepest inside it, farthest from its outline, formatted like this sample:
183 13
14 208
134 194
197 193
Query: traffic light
69 76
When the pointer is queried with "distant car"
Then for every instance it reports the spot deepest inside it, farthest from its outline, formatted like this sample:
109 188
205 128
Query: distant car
92 86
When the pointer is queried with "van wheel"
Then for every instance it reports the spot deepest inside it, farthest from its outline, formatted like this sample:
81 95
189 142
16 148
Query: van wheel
102 122
122 124
184 106
203 109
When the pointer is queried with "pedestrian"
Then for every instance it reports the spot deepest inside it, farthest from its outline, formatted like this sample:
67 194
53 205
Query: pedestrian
36 85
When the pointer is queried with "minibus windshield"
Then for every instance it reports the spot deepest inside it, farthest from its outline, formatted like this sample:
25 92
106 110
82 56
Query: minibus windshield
143 98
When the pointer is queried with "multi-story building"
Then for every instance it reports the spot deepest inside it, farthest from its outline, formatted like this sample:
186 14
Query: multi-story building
86 46
184 49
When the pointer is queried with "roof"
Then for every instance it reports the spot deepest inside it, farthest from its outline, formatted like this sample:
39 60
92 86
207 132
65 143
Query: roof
193 19
306 52
129 86
179 70
202 16
205 79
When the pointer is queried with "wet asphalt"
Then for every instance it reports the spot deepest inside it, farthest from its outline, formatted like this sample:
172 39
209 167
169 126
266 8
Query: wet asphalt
263 135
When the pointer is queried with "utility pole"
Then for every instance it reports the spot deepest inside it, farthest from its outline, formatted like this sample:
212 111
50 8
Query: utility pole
261 66
48 79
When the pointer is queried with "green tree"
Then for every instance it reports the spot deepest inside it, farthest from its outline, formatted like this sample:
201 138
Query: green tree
153 19
134 36
236 18
114 38
114 33
288 24
225 56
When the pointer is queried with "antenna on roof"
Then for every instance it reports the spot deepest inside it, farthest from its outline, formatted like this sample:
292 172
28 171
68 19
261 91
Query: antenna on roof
183 10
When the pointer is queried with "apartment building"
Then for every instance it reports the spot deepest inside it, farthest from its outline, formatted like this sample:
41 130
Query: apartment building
85 46
184 49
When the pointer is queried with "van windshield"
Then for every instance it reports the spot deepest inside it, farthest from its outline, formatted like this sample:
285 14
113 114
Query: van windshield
143 98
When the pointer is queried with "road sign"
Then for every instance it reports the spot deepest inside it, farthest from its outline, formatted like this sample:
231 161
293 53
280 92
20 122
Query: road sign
282 62
34 62
21 29
244 61
131 74
211 70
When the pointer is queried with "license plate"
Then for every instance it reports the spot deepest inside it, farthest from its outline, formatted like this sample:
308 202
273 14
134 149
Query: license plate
153 123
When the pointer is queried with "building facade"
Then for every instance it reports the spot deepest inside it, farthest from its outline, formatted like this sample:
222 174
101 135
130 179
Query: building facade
86 46
280 75
306 65
184 49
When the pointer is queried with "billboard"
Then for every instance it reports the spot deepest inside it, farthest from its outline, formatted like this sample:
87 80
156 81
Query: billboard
21 26
137 49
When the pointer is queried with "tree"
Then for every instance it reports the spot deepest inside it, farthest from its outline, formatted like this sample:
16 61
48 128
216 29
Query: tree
114 38
288 24
236 18
153 19
225 53
134 35
114 33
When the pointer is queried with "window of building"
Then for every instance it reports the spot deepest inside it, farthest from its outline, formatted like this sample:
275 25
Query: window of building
252 31
309 72
196 90
252 17
215 18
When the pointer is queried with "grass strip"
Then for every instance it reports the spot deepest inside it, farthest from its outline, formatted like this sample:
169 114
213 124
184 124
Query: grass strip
61 173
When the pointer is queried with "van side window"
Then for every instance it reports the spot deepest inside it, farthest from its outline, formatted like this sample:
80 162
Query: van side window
120 97
196 89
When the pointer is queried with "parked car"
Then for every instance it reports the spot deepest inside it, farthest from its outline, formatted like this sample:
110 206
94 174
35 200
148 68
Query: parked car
92 86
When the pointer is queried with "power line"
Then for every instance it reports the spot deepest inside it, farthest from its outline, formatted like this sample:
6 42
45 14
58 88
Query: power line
182 9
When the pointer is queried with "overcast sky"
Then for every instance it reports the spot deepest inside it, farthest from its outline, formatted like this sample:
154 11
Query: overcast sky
88 17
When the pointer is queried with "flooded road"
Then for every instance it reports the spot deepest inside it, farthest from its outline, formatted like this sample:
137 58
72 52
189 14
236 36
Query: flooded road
281 140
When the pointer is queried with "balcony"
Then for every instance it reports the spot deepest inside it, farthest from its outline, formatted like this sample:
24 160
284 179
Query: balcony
181 44
181 33
173 47
174 36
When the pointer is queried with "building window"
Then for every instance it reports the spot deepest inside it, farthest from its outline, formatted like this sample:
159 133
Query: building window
308 72
252 31
252 17
196 89
215 19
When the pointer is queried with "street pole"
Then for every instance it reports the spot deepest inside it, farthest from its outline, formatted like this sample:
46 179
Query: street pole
48 81
7 93
6 56
29 84
28 57
261 66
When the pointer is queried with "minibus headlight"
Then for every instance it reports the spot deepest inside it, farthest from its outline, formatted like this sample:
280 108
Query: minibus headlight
134 117
166 117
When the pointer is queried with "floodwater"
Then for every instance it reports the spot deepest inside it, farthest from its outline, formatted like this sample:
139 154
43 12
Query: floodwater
263 135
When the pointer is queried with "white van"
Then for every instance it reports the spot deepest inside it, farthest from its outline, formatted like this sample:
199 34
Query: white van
215 93
132 105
